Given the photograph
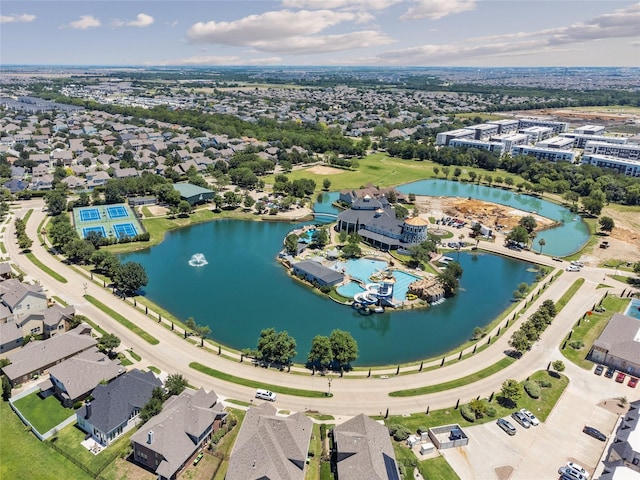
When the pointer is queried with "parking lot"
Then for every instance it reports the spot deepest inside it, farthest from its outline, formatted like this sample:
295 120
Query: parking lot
539 451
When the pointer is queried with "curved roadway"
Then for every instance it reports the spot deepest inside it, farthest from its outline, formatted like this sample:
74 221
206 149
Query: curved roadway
351 396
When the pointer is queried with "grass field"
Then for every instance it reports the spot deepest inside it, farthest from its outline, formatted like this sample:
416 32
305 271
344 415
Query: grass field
127 323
587 330
43 414
33 259
24 457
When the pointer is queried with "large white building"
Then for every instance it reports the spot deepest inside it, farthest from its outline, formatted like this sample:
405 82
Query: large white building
510 140
495 147
625 166
541 153
484 131
443 138
537 133
557 127
630 151
590 130
505 126
581 139
560 143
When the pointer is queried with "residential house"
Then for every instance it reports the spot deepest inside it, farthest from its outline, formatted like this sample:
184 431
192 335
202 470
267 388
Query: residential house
73 379
20 299
169 440
115 406
96 179
363 450
618 345
74 183
37 357
40 170
270 446
623 458
125 172
44 182
11 336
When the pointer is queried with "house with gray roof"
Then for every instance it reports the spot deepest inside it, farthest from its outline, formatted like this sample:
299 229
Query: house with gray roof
37 357
74 378
193 193
167 442
623 458
115 406
11 337
315 272
21 298
618 345
363 450
270 446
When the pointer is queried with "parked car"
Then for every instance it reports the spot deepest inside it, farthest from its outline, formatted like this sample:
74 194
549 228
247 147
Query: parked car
609 373
530 416
599 369
506 426
578 468
595 433
633 381
557 259
572 268
620 377
521 419
578 264
570 473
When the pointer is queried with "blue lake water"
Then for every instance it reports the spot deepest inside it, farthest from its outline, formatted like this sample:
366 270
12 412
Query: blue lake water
243 289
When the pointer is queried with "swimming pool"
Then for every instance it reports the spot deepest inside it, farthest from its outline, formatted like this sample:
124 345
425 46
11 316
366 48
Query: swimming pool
307 237
633 310
349 289
361 268
403 280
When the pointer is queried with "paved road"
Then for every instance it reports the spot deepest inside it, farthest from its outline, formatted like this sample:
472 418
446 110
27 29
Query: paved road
351 396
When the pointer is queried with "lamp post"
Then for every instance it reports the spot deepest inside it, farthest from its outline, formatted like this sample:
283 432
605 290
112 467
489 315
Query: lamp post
329 382
84 285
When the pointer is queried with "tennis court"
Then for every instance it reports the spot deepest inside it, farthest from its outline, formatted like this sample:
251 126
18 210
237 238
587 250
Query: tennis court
117 211
125 230
89 214
107 220
98 229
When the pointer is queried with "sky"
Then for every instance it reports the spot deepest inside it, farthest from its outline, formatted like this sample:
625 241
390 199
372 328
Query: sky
475 33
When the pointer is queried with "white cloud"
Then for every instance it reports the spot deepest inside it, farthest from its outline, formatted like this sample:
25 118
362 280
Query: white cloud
340 4
15 18
621 23
268 26
436 9
85 21
142 20
303 45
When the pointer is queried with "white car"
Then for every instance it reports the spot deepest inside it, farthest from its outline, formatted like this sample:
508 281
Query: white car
532 418
576 263
573 268
577 467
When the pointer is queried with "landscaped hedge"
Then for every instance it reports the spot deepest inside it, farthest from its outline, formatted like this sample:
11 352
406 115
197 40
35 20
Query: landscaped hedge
532 389
467 413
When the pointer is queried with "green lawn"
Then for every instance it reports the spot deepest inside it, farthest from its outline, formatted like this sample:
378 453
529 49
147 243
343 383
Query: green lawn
69 440
541 407
440 387
43 414
252 383
587 330
568 295
24 457
119 318
437 469
33 259
226 444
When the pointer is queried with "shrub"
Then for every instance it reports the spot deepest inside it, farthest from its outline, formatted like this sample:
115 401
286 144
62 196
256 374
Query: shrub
216 437
544 383
323 431
467 413
422 429
401 434
491 411
77 405
532 389
577 344
393 428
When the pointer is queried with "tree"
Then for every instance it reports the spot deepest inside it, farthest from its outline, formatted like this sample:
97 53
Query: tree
606 224
542 242
511 392
153 406
518 235
184 208
130 277
291 243
344 347
478 406
278 347
105 262
320 237
175 384
529 223
108 342
56 202
519 342
594 203
472 175
320 353
24 242
326 184
558 366
6 388
203 331
79 251
351 250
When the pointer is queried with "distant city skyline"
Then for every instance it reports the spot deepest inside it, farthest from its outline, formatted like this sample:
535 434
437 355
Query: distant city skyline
474 33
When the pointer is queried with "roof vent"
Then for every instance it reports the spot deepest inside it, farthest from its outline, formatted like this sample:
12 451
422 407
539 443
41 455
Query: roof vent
150 437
